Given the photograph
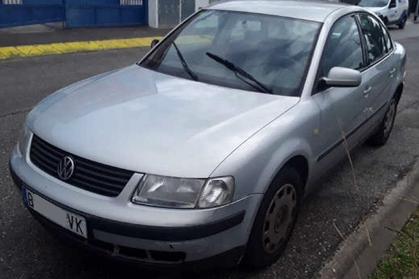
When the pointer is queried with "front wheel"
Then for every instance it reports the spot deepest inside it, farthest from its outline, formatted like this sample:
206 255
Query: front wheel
380 137
402 23
275 220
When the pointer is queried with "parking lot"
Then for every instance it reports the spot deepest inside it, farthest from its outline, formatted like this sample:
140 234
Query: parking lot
28 251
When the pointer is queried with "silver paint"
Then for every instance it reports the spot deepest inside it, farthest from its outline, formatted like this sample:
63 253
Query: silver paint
148 122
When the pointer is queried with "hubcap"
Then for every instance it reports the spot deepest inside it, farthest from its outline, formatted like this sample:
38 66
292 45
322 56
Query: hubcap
279 218
389 118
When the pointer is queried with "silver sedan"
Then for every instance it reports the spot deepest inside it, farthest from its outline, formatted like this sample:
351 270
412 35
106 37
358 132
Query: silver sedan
207 146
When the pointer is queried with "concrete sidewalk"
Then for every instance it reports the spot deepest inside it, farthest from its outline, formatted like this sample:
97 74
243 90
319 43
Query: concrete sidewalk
54 33
39 40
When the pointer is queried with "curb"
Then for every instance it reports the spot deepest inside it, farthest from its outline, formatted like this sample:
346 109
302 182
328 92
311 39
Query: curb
72 47
359 254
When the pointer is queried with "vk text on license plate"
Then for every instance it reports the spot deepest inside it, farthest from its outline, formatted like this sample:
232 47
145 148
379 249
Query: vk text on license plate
66 219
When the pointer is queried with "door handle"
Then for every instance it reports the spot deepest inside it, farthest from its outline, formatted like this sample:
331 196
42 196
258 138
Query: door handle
392 71
368 110
367 91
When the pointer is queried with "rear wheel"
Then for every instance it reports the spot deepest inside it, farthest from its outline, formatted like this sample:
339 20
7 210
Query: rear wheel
380 137
275 220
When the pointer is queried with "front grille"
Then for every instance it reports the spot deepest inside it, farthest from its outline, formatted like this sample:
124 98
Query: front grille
88 175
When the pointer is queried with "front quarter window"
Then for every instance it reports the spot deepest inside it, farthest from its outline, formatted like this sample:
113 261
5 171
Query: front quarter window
246 51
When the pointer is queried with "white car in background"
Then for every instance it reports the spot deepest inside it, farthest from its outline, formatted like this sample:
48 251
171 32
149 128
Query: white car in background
390 11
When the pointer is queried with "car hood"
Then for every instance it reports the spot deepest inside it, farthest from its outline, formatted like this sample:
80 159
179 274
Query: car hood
149 122
376 9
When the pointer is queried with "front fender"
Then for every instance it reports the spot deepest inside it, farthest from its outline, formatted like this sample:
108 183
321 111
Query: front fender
256 162
290 149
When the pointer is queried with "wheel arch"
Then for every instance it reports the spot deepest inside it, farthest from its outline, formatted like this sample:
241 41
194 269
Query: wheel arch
299 163
399 92
295 153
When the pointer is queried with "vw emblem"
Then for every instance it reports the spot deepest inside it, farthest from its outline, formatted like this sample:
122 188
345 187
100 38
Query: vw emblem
65 168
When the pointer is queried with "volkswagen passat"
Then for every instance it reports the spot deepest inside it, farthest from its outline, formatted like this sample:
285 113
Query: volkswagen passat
206 147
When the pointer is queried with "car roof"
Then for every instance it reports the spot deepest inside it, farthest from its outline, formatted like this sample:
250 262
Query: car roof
307 10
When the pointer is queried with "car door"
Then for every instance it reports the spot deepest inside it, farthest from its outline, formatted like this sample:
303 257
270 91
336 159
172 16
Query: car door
394 11
380 71
342 109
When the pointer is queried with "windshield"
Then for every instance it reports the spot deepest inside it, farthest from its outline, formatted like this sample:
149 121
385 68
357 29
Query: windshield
373 3
263 53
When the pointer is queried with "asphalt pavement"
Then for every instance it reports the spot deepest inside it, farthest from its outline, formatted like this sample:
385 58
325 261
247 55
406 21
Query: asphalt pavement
28 251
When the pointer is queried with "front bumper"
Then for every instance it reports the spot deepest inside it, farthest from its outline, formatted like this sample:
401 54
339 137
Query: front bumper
147 258
150 235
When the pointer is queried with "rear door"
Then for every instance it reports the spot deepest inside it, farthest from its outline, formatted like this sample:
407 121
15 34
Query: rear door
380 71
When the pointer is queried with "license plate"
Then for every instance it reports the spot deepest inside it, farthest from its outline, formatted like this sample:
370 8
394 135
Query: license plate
66 219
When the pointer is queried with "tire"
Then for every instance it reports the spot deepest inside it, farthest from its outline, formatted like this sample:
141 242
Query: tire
402 23
381 136
280 206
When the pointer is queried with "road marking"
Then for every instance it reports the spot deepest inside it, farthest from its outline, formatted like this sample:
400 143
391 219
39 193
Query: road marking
72 47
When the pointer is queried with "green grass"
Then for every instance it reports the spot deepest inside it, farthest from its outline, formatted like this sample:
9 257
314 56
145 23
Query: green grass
402 259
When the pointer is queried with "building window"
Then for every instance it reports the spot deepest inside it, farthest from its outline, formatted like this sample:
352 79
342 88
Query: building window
12 2
131 2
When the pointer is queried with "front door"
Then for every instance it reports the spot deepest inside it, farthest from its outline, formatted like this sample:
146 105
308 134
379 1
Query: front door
342 109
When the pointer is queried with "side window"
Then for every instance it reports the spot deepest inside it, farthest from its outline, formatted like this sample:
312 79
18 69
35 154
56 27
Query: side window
343 47
392 4
374 38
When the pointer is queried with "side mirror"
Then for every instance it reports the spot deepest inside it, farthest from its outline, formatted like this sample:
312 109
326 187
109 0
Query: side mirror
342 77
154 42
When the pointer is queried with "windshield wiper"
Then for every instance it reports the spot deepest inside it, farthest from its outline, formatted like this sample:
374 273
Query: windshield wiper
184 64
240 72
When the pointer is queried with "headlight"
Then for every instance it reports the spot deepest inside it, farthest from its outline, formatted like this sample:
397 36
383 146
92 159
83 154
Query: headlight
217 191
23 140
183 192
